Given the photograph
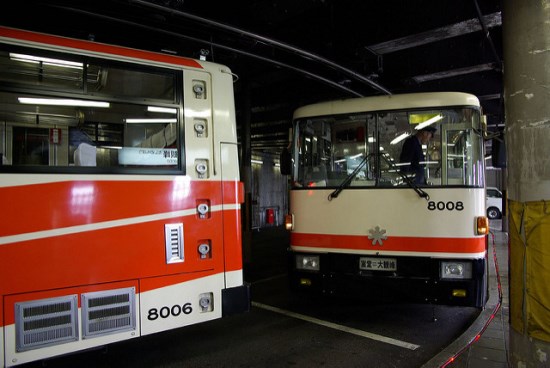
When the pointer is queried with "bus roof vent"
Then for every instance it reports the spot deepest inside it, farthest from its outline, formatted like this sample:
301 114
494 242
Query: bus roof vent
46 322
106 312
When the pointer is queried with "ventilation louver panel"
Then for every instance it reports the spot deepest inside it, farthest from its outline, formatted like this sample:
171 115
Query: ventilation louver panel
46 322
106 312
173 234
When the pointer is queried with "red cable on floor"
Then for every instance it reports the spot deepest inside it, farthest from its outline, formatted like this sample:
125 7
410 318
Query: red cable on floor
495 310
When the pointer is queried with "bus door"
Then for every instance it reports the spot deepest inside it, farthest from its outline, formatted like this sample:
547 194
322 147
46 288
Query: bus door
458 145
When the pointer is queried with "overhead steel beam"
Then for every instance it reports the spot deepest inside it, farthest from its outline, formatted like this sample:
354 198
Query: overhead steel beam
438 34
454 72
494 96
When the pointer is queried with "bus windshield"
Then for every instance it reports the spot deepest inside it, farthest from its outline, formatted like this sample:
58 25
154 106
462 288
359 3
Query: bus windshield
448 144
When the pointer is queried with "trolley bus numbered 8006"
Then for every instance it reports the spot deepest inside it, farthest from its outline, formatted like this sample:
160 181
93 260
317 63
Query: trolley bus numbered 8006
165 312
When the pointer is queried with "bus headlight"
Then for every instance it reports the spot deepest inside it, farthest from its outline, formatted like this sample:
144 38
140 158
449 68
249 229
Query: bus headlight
456 270
307 262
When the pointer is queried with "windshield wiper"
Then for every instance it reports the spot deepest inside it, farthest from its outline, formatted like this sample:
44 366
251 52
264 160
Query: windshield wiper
348 179
421 193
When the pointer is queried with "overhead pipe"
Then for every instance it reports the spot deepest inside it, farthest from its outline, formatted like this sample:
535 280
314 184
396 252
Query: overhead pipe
486 33
198 40
272 42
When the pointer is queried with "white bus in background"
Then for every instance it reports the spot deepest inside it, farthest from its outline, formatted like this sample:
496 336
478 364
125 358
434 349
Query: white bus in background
120 192
359 224
494 203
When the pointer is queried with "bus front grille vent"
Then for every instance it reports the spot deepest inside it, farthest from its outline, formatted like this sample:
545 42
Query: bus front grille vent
107 312
45 322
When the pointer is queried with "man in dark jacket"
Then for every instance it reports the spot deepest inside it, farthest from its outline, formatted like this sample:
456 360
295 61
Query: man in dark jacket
412 155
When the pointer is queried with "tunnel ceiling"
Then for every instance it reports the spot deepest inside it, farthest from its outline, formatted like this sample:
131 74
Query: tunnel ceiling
287 53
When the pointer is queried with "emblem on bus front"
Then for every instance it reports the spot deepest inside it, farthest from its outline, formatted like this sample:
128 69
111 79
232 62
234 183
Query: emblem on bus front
377 235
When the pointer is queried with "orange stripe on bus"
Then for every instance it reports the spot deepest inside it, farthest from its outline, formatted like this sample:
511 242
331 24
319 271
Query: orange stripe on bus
392 243
39 207
96 47
107 255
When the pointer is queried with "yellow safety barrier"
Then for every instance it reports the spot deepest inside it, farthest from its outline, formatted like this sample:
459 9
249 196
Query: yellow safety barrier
530 268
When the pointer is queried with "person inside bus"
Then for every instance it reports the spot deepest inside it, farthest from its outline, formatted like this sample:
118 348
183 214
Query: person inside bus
413 156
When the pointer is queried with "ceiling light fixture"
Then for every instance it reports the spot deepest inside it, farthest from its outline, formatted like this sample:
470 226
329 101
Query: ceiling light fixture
47 61
62 102
151 121
400 138
162 109
430 121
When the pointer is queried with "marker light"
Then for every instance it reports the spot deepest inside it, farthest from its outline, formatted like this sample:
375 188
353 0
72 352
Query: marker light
459 293
305 282
482 225
289 222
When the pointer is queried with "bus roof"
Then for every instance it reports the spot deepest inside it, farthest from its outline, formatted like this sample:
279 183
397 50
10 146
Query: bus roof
11 35
391 102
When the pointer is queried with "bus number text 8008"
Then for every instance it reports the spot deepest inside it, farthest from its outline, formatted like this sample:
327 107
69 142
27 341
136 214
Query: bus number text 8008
445 206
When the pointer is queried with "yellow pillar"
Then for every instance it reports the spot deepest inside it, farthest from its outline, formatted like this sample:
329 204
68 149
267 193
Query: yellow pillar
526 40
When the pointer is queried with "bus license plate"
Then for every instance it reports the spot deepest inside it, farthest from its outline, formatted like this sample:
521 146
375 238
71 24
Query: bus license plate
377 264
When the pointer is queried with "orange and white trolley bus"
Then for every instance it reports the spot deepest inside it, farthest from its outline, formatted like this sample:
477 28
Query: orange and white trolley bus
361 225
120 193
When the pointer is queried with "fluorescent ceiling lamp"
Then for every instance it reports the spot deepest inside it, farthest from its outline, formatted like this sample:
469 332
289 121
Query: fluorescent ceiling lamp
62 102
430 121
111 147
151 121
162 109
256 162
48 61
400 138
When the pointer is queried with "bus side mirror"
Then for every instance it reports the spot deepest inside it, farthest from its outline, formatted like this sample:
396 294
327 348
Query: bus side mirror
498 151
285 162
483 122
